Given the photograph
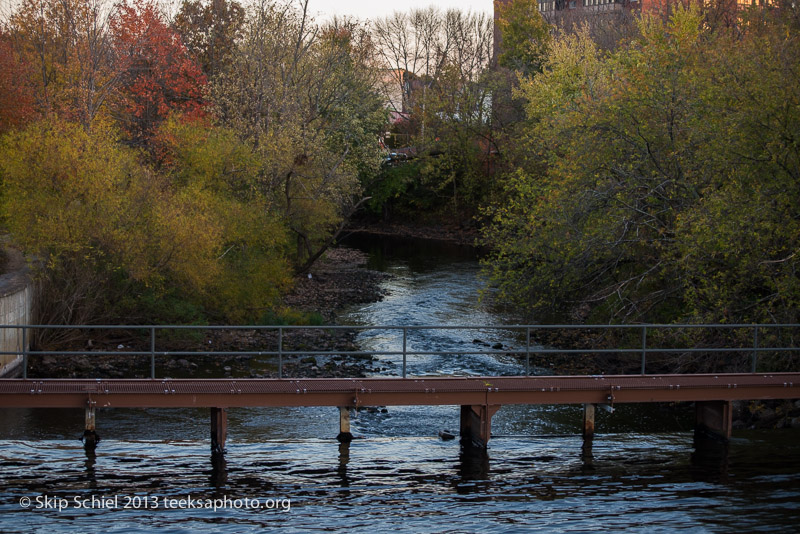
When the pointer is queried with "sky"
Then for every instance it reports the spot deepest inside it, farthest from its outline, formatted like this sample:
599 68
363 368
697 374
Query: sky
372 9
363 9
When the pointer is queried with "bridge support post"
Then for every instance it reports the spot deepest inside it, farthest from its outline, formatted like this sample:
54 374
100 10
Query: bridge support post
476 425
588 433
714 420
588 422
90 437
345 436
219 430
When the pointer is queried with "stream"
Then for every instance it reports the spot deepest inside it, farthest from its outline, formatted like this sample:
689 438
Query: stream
398 475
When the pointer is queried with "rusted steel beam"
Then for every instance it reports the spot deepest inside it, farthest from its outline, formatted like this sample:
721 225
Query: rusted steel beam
226 393
134 400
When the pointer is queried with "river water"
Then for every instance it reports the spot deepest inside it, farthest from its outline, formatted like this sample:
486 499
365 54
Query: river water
283 469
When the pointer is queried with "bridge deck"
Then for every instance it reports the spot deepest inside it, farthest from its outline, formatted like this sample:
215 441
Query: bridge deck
227 393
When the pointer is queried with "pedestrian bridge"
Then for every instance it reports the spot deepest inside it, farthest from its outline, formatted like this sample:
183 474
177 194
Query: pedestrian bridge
479 396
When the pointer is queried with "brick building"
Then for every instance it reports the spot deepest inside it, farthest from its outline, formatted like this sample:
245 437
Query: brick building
555 10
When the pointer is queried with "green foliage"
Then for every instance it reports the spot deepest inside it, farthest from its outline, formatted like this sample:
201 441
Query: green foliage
436 73
196 154
70 192
525 35
115 230
211 165
166 307
661 179
202 218
86 208
291 317
453 182
391 188
450 182
741 243
457 118
303 97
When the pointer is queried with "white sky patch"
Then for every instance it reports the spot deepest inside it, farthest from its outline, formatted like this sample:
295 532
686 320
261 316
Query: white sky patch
373 9
325 9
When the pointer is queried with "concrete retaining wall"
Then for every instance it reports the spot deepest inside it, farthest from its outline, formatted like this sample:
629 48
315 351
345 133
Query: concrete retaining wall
16 298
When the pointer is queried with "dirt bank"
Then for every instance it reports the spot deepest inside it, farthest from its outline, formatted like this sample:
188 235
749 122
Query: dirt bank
461 234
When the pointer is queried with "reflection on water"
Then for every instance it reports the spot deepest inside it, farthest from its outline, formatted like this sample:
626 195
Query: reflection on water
636 482
641 473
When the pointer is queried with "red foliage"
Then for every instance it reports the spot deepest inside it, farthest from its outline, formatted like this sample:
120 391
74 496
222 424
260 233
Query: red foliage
16 95
158 74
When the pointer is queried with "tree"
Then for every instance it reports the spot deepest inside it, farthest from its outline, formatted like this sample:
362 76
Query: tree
661 183
158 76
413 47
16 95
201 160
210 30
590 224
303 97
77 201
438 62
525 36
114 235
740 246
67 45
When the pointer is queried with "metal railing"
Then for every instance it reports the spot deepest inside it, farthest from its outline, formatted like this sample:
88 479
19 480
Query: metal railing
523 333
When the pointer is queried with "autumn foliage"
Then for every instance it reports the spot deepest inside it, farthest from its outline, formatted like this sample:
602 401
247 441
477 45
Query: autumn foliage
157 75
146 197
184 169
16 96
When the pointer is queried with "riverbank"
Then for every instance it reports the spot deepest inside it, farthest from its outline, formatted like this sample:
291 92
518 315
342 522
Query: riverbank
457 233
338 280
